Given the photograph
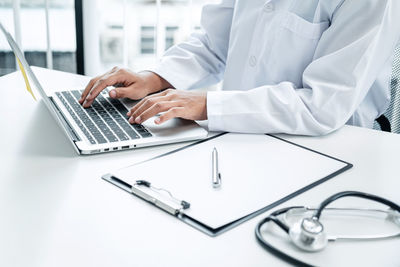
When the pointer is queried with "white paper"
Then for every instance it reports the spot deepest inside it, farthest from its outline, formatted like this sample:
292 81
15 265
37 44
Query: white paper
256 171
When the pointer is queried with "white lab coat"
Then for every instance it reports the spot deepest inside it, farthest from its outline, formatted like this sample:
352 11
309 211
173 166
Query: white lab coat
290 66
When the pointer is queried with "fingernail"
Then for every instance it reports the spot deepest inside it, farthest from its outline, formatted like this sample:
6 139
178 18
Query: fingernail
157 120
84 103
131 120
113 94
128 114
137 120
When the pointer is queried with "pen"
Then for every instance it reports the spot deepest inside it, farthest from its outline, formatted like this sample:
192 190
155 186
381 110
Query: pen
216 176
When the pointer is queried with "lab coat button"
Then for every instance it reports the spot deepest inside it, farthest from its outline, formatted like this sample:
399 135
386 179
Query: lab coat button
253 61
268 7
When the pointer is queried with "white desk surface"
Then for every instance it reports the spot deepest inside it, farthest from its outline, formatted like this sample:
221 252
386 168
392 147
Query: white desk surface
55 210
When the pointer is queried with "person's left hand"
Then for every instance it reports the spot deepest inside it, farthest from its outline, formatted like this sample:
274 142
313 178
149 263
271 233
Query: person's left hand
174 103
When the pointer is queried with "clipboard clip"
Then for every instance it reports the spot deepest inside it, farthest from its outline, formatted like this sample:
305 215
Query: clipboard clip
172 206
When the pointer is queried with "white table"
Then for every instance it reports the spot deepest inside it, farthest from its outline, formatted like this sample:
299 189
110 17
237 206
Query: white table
55 210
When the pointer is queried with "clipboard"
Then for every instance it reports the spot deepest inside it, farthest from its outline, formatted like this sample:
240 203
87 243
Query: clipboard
258 173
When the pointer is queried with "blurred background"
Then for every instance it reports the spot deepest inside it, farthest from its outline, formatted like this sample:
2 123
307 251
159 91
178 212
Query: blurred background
91 36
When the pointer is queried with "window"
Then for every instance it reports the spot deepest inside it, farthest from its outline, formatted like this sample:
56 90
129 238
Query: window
7 62
131 33
170 32
32 24
111 44
135 33
147 37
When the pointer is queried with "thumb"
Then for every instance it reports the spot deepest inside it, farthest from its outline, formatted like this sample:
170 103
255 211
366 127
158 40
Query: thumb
119 92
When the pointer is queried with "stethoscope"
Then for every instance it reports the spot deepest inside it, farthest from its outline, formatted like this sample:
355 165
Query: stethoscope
308 234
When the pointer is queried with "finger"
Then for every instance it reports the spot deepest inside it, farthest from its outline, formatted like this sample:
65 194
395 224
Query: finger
92 82
172 113
155 109
148 101
99 86
87 88
145 104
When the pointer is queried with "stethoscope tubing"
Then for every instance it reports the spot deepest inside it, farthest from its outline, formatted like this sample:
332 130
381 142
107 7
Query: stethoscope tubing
317 214
274 250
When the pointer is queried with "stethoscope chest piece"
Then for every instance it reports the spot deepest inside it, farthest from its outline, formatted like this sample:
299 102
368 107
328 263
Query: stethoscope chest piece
308 235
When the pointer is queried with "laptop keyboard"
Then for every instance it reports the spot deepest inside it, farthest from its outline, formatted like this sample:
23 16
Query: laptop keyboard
105 121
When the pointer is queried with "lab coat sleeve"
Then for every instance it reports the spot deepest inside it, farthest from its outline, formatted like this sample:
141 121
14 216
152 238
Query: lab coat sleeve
200 61
348 59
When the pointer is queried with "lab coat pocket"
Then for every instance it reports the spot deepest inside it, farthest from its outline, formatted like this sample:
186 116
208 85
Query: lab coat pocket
294 48
304 28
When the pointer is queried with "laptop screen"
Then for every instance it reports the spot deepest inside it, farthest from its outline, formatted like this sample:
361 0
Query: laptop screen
24 67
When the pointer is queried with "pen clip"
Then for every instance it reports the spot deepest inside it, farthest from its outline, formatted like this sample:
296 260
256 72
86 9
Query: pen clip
217 183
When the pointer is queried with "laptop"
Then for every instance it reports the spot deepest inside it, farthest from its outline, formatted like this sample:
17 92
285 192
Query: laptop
104 126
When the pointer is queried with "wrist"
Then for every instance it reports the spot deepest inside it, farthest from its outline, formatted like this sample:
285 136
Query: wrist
155 82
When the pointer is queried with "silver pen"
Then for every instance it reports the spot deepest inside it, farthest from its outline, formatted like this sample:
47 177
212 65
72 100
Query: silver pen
216 176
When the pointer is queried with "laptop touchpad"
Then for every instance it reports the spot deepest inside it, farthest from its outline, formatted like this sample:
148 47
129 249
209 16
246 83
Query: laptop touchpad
170 127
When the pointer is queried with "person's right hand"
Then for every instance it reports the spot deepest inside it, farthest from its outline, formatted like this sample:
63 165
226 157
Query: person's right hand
131 85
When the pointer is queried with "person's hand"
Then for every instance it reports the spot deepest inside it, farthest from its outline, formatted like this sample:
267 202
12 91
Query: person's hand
174 103
131 85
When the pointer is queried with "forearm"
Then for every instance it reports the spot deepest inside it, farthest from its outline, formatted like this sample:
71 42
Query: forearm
269 109
200 61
